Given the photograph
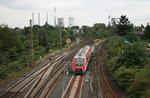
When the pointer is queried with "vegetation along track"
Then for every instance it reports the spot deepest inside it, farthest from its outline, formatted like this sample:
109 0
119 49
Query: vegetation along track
74 88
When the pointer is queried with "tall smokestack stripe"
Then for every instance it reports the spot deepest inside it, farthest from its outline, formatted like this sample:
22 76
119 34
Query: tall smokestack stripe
39 18
32 18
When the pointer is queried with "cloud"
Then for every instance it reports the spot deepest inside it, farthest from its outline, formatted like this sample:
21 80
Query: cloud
40 4
85 11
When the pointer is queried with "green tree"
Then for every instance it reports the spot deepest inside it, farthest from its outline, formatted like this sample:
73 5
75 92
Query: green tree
1 59
7 37
40 49
75 27
147 33
98 26
12 55
131 37
124 76
133 55
141 85
124 26
44 40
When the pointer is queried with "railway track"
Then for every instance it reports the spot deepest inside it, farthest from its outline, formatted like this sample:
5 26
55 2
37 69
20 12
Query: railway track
106 87
28 79
43 89
74 88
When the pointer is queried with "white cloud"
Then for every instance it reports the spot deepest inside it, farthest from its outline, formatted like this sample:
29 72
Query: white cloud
41 4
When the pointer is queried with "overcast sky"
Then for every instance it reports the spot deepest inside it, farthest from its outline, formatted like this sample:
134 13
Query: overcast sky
86 12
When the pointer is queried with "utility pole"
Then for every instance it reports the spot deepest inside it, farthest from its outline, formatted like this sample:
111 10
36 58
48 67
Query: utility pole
31 42
112 23
63 85
60 37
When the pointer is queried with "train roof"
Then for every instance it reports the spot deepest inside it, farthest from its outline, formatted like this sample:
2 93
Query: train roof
82 52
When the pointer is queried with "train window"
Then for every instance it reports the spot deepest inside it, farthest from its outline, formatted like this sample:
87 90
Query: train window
79 61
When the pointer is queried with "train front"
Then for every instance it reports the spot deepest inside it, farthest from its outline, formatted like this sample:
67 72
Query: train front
78 64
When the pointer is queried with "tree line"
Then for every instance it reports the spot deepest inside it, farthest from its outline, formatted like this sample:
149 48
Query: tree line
15 45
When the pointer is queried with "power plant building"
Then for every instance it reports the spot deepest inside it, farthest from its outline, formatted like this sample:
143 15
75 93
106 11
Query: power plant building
71 21
61 22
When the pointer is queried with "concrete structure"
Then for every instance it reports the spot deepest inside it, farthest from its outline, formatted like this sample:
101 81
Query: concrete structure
61 22
71 22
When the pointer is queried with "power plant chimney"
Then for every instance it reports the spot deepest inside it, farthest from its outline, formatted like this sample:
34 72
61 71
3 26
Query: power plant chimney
47 18
39 18
32 18
54 16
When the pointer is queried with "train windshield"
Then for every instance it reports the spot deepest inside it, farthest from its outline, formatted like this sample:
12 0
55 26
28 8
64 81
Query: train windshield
79 61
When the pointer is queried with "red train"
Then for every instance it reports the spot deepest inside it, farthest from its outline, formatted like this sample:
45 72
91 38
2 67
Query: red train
81 59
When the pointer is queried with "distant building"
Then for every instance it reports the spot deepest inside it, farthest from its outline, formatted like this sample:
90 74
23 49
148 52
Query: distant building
138 30
46 25
61 22
71 22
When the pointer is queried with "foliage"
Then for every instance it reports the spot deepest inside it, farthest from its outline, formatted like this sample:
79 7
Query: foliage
128 64
12 55
98 31
5 71
124 77
114 46
131 37
123 26
147 33
141 84
134 55
75 27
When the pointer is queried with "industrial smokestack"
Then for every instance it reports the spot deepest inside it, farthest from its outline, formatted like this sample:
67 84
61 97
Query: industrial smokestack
47 18
32 18
39 18
55 16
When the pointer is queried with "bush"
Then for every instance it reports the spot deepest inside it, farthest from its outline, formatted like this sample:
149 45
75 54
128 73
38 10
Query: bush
124 77
141 85
9 69
25 59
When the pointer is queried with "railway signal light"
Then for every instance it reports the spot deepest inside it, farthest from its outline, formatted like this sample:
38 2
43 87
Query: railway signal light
68 42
